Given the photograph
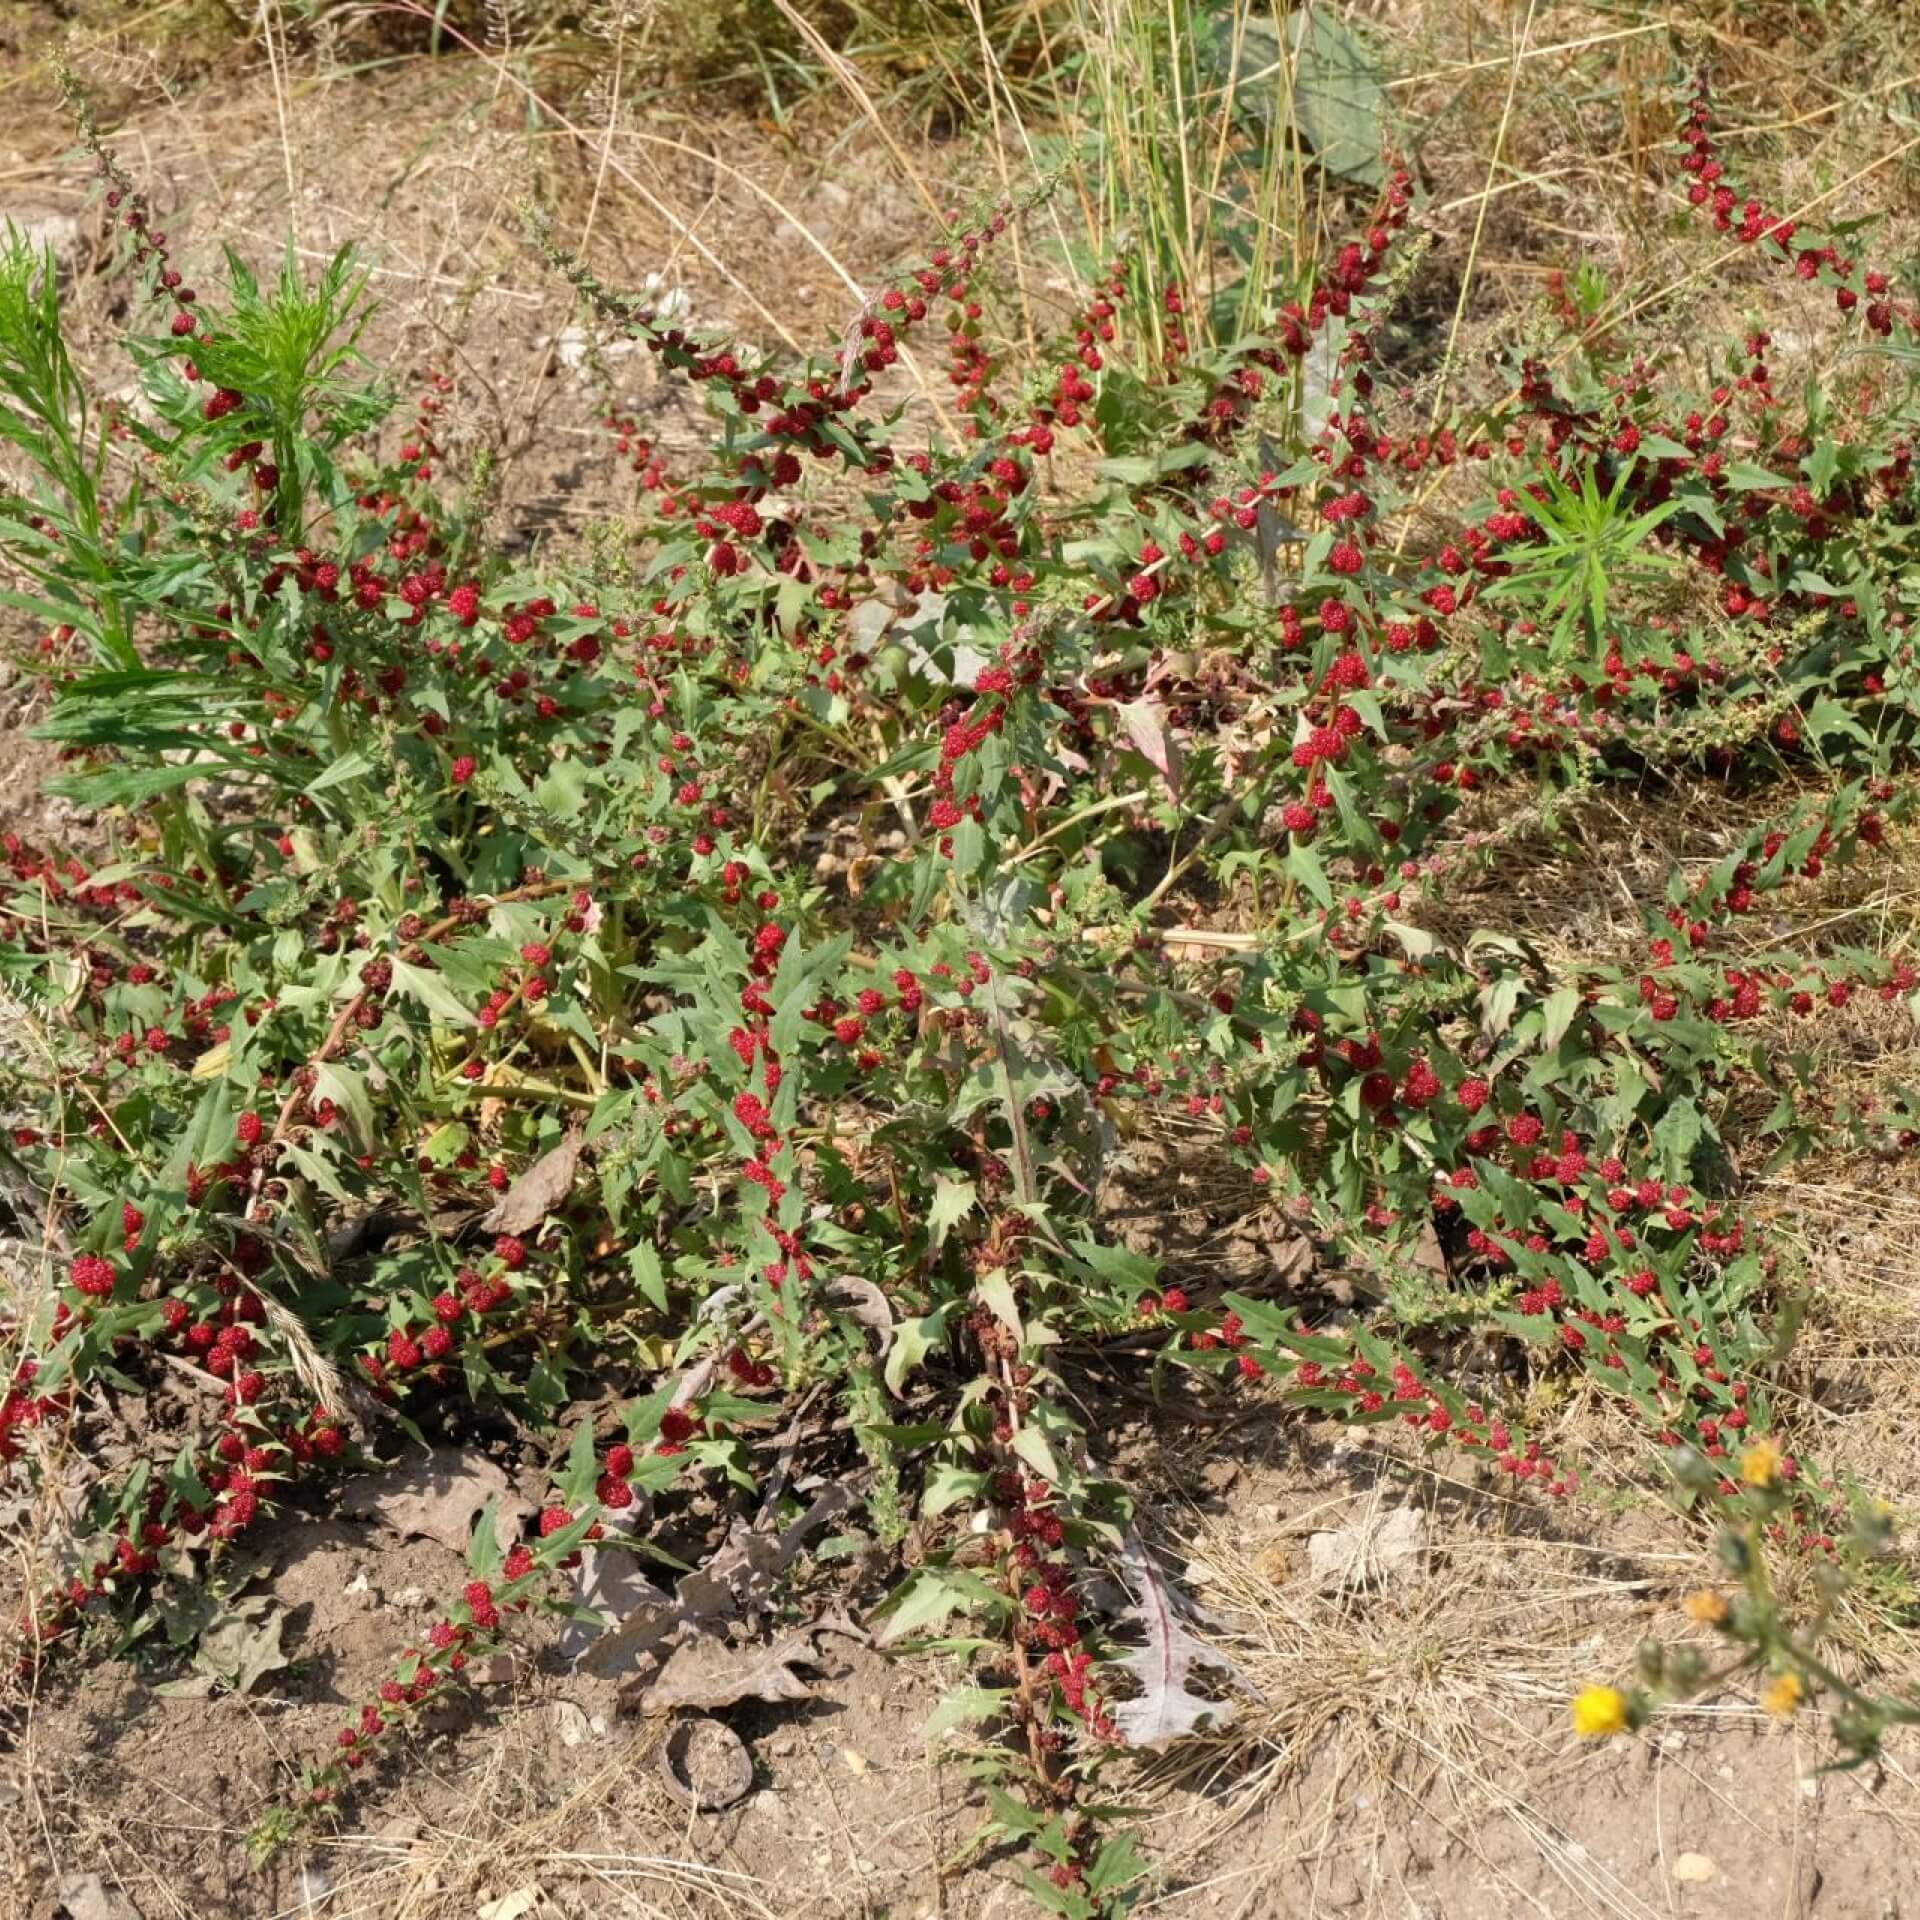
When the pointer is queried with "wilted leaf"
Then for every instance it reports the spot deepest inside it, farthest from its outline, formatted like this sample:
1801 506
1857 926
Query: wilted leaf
238 1644
241 1649
1291 1257
706 1673
1166 1708
439 1498
1145 722
739 1579
539 1190
85 1896
510 1906
861 1300
611 1584
186 1611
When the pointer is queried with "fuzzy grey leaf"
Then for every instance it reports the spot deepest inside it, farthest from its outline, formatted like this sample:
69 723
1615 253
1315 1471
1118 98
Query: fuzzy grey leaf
1166 1708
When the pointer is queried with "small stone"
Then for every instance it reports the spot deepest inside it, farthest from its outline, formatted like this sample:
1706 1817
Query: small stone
1695 1869
85 1896
855 1761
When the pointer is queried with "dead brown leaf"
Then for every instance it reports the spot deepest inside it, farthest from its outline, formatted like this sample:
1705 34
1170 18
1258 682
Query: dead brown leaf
439 1497
707 1673
539 1190
1291 1257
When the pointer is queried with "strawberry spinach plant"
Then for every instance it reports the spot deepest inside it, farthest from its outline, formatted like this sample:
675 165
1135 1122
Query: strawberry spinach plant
450 1006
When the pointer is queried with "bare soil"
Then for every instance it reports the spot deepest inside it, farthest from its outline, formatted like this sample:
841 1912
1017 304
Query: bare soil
1409 1753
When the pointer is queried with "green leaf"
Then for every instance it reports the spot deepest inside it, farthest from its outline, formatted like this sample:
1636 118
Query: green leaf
484 1554
965 1707
350 766
643 1262
930 1595
433 993
1498 1000
1557 1016
953 1200
347 1089
128 786
996 1289
1033 1447
583 1468
913 1340
1681 1128
1304 864
948 1484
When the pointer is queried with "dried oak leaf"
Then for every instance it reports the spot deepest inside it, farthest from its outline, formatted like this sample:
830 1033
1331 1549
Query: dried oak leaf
706 1673
539 1190
439 1497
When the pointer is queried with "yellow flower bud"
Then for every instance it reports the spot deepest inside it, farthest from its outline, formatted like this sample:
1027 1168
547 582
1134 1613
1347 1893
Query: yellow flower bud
1707 1608
1760 1464
1784 1695
1598 1712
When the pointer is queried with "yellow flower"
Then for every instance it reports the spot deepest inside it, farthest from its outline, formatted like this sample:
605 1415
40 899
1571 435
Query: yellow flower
1784 1695
1707 1608
1760 1464
1598 1712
